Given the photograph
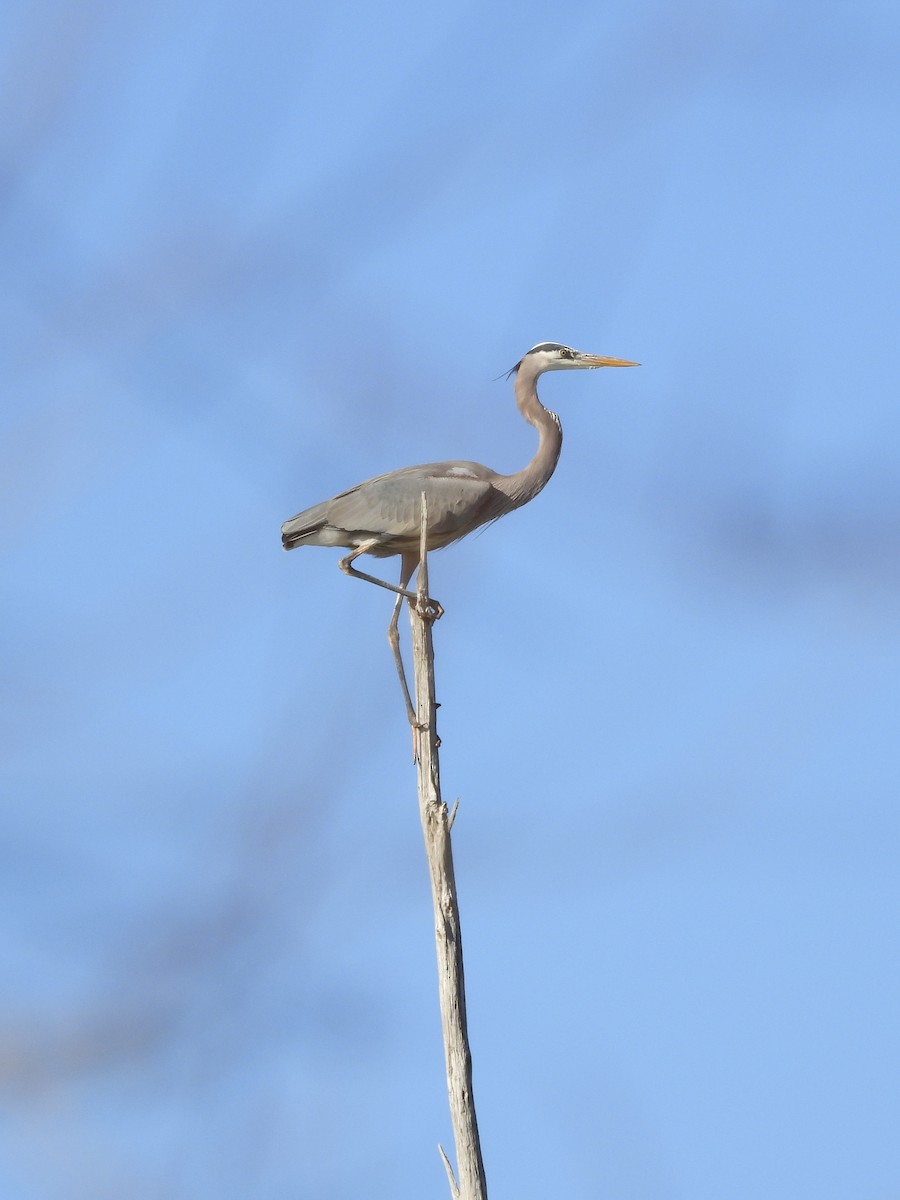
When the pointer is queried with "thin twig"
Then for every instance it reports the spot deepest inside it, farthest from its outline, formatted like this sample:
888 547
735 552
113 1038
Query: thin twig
448 1167
436 828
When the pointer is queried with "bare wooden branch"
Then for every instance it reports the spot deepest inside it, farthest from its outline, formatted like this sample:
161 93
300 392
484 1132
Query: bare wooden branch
436 823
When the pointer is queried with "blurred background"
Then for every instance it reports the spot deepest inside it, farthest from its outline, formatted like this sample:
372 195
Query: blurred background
253 254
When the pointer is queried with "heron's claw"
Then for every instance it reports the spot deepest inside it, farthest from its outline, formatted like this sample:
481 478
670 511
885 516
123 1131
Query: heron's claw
417 732
431 609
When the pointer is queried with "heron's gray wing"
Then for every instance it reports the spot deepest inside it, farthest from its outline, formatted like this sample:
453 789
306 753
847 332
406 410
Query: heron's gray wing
460 495
350 505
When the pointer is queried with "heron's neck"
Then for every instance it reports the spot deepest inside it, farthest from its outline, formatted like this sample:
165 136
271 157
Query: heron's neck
524 485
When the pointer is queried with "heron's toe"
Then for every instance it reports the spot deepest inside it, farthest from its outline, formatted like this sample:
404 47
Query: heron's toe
433 609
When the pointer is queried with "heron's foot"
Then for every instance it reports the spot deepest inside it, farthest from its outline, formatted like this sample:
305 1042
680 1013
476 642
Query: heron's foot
421 731
431 610
417 731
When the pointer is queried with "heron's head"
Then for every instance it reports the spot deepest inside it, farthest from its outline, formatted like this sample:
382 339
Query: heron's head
551 356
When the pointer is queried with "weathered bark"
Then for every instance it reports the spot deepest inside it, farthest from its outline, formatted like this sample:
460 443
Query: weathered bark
436 823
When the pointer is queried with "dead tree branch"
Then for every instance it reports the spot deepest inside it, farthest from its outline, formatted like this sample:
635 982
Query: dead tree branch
436 822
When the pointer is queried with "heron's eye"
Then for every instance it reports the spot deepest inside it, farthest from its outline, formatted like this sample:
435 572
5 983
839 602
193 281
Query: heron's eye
564 353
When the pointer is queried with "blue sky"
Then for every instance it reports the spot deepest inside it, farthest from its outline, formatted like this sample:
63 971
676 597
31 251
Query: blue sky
250 255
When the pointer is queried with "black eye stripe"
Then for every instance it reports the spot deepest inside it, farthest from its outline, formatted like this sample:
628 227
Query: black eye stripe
564 350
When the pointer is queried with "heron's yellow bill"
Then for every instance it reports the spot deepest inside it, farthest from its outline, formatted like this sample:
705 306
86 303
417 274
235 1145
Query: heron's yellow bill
597 360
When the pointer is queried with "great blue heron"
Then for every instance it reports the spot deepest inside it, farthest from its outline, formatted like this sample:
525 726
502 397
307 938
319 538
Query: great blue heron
382 516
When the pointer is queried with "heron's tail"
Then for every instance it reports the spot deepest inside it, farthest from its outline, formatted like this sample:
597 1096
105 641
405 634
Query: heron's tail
294 533
304 528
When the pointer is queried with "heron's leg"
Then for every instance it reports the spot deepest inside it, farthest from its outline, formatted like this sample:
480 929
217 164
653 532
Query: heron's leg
346 564
407 566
